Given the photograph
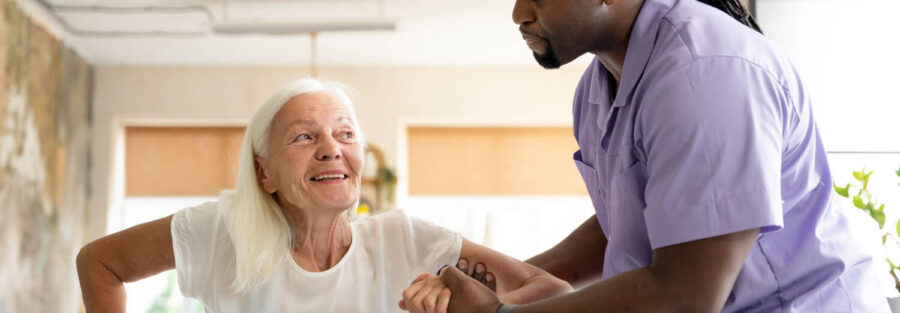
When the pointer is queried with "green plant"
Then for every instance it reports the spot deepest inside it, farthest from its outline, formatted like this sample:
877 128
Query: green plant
865 201
387 180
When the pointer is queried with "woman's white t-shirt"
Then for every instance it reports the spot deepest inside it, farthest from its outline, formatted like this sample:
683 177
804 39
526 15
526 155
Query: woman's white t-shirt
387 252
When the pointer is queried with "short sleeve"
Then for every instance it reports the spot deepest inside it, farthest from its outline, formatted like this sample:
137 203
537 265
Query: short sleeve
434 246
194 234
712 137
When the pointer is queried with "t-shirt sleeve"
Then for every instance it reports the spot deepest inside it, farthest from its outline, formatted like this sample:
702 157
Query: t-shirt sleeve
194 234
432 246
712 138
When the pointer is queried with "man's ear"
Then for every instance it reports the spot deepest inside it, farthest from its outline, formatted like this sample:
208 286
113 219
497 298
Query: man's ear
264 180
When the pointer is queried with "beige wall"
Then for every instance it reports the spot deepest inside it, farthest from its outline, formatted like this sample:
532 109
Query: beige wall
492 161
388 97
181 161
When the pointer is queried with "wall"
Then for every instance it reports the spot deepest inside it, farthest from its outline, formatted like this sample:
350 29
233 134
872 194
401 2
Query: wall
386 97
44 165
843 50
846 53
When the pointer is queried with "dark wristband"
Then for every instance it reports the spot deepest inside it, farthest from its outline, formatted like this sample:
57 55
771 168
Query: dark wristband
505 308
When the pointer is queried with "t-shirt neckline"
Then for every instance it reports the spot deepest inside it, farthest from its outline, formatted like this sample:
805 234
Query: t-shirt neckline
353 242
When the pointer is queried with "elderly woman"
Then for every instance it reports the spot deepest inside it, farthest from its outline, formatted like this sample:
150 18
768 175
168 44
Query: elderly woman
283 239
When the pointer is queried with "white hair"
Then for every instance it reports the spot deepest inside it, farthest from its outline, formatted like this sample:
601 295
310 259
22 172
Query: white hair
257 227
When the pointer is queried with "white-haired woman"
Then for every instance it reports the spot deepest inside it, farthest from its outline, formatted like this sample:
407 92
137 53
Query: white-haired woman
283 241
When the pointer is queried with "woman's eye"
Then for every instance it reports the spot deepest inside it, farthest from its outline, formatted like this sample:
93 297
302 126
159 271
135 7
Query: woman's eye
303 137
347 135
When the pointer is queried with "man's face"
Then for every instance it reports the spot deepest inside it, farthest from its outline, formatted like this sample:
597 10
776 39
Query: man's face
547 27
558 31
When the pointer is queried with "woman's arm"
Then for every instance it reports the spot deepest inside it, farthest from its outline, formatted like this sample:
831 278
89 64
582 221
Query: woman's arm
517 282
129 255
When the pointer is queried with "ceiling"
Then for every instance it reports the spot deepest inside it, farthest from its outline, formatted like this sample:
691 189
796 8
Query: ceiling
170 32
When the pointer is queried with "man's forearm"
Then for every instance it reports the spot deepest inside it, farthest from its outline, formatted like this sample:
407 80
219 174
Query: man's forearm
695 276
634 291
578 259
536 288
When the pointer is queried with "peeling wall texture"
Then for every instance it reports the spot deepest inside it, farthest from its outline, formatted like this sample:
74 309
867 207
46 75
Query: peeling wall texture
44 165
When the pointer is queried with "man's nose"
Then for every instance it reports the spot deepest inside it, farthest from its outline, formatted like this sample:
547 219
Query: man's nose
522 12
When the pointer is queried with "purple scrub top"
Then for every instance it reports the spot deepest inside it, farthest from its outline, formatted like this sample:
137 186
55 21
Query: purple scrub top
712 132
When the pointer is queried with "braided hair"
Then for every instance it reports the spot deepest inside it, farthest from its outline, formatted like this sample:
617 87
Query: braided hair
735 10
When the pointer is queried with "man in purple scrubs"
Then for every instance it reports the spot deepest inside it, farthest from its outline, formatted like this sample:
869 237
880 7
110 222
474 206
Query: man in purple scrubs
702 158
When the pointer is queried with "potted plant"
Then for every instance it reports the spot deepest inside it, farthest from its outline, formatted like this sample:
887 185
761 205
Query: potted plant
863 199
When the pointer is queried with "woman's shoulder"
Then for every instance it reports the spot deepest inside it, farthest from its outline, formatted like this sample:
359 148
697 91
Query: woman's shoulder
200 219
203 212
389 219
397 222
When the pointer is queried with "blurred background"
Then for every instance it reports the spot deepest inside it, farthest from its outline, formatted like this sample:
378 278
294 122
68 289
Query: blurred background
118 112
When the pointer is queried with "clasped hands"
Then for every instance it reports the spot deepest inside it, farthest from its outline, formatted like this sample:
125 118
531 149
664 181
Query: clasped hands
472 288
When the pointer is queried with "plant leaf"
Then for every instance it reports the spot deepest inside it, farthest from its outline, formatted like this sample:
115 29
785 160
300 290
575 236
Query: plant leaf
898 227
866 182
879 217
893 266
858 202
860 175
843 191
898 172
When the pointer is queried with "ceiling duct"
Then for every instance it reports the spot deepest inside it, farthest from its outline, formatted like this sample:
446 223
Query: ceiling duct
305 27
221 24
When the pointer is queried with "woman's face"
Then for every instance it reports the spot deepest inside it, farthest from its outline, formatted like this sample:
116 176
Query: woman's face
312 159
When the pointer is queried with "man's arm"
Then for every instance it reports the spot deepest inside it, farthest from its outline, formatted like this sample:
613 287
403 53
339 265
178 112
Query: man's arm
578 259
694 277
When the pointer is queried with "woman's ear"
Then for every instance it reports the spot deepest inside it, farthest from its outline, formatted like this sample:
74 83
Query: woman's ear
264 179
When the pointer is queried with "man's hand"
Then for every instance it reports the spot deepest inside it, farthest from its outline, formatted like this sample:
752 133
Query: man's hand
479 272
469 295
426 294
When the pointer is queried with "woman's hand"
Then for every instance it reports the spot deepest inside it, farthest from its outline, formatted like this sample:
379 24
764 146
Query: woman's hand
426 294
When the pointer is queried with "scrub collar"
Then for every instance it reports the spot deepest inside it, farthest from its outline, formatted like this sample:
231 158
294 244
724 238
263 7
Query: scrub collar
637 55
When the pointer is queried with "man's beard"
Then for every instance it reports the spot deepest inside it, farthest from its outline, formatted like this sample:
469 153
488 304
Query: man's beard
548 60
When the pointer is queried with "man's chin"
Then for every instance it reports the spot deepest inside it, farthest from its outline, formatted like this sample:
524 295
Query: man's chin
548 60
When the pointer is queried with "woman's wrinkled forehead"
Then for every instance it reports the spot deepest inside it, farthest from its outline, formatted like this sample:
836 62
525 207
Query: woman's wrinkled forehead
314 108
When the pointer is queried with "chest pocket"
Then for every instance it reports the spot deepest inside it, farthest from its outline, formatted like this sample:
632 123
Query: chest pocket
591 181
629 245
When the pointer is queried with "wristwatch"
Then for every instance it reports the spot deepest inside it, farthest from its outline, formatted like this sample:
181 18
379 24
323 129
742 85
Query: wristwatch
505 308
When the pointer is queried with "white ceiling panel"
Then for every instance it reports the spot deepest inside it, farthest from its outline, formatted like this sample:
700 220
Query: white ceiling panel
135 21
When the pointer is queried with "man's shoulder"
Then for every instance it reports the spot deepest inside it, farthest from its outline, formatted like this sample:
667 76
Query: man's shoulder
705 31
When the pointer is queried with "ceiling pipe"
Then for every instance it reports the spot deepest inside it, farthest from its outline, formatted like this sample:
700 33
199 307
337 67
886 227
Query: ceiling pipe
55 10
226 28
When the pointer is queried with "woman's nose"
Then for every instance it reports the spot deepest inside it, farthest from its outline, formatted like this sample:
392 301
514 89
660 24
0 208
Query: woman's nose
329 150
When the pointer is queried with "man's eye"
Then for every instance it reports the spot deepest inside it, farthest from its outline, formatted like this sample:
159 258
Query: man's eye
303 137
